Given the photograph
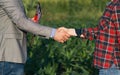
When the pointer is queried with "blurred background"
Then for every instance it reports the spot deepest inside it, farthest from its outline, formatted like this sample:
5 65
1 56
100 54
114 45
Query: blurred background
74 57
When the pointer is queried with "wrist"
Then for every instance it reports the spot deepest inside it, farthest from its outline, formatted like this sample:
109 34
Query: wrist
78 32
53 33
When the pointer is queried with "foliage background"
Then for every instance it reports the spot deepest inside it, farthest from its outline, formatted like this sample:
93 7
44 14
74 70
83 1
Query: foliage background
74 57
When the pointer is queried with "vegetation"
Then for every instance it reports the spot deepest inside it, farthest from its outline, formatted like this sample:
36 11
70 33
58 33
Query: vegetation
74 57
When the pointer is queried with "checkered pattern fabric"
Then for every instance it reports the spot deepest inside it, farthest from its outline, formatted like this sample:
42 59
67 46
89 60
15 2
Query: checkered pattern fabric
107 37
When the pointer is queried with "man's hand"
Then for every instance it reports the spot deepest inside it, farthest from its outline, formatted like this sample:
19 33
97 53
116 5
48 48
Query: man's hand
71 31
61 35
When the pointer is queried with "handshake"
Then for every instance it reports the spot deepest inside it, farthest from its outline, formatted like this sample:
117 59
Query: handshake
62 34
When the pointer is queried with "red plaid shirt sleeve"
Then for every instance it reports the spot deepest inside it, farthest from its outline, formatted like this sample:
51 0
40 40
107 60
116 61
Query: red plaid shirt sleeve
92 33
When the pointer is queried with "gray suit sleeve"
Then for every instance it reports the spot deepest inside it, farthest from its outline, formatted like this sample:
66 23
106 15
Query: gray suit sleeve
15 11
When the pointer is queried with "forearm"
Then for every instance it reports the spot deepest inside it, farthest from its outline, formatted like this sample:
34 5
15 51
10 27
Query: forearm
29 26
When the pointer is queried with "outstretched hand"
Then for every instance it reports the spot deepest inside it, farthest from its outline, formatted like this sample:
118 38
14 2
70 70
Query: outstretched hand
71 32
61 35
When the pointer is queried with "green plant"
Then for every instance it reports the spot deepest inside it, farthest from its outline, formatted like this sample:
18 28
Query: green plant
74 57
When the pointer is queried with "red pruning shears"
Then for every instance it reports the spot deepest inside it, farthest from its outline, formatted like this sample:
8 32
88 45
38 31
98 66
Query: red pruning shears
37 15
36 19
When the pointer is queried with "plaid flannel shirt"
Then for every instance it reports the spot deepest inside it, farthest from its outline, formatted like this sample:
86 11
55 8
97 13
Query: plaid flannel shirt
107 37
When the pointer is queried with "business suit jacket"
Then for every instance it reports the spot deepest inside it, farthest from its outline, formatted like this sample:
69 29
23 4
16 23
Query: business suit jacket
13 27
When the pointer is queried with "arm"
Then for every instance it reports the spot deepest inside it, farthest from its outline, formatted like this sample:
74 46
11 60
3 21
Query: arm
87 33
104 23
92 33
15 11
